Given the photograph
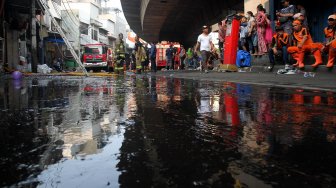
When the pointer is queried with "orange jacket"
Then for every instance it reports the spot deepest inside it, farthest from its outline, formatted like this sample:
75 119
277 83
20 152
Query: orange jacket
280 41
330 33
298 36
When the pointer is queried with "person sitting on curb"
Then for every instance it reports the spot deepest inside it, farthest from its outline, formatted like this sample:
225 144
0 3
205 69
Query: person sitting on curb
279 44
330 35
303 42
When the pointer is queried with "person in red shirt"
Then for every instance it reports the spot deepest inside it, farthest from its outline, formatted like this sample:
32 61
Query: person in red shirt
221 36
304 43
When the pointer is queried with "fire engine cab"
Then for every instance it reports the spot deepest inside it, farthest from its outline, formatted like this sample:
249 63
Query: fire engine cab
96 56
161 53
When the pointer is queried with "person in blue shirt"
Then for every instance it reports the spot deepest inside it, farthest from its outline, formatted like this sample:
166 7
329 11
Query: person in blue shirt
152 56
169 57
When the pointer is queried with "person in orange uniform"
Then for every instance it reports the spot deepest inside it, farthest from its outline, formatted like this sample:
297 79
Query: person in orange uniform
279 44
330 35
302 42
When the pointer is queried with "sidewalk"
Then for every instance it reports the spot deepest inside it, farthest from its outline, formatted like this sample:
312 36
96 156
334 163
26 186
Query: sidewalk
322 81
259 63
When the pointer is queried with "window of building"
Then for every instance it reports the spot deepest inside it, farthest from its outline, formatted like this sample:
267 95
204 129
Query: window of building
84 28
94 34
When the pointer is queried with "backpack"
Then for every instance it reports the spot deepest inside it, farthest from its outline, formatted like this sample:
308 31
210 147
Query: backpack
243 59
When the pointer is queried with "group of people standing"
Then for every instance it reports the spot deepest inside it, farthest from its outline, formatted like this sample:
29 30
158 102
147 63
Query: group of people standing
291 36
175 57
256 36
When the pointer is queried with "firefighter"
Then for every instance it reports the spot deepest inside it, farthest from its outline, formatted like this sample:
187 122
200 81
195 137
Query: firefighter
140 55
302 42
120 51
330 35
279 44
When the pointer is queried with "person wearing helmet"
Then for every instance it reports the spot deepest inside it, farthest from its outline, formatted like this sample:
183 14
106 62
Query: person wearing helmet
120 51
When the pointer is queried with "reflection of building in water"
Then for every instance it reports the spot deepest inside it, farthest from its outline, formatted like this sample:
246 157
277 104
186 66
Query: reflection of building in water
30 112
97 116
14 94
203 101
131 106
83 123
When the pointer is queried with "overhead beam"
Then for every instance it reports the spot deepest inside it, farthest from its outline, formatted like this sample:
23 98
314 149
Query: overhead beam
154 20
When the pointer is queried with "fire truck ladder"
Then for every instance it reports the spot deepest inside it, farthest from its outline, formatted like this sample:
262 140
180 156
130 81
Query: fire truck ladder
43 4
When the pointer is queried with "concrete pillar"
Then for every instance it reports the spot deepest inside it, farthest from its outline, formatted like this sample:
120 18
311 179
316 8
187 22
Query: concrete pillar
33 37
12 37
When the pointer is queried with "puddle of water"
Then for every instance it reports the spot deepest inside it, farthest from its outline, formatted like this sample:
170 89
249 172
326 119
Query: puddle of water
146 131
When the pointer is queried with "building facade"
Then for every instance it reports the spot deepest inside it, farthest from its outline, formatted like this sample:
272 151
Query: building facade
29 38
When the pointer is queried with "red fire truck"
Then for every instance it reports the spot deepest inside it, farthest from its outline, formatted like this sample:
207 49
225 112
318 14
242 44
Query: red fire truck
161 53
97 56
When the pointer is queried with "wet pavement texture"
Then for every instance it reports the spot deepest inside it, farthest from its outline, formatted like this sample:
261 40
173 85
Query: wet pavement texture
142 131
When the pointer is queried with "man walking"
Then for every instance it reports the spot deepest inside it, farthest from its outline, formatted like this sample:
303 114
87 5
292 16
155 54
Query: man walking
204 42
182 55
169 57
221 36
152 56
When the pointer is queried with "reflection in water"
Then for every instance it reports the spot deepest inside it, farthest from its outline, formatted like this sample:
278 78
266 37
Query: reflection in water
160 132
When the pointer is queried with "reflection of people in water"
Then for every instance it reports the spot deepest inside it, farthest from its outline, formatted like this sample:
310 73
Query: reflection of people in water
153 89
298 114
264 109
329 120
264 116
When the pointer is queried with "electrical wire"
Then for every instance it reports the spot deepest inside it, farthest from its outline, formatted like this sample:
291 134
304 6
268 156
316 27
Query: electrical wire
67 12
70 28
71 10
65 23
57 45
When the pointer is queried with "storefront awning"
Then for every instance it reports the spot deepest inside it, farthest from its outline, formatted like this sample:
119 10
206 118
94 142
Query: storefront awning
55 40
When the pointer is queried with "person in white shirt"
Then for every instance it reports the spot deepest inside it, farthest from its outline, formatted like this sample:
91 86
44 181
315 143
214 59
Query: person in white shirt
204 42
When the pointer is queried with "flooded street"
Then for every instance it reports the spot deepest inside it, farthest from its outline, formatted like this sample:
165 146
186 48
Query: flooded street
164 132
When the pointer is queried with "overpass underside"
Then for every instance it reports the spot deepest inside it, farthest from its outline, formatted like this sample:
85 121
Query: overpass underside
176 20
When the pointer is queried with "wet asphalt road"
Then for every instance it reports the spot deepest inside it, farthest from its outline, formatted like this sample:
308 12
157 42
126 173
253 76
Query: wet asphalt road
164 132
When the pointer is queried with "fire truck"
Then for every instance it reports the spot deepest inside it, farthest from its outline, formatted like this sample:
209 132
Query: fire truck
97 56
161 53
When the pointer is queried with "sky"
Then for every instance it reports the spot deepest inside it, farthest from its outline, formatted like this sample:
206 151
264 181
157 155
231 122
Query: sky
116 4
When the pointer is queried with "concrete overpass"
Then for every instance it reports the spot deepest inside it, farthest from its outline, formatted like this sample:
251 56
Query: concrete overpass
176 20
